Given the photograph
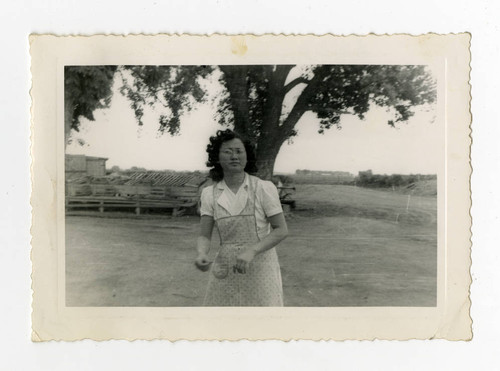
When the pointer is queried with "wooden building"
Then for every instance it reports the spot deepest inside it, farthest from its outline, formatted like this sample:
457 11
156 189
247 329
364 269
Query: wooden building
179 192
77 166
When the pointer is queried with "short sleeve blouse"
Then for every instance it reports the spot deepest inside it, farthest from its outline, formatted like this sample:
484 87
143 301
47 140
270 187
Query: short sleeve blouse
267 202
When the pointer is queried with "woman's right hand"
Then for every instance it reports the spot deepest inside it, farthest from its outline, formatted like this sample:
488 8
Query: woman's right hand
202 262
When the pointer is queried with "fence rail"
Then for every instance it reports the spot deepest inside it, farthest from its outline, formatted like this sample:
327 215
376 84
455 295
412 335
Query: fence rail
137 203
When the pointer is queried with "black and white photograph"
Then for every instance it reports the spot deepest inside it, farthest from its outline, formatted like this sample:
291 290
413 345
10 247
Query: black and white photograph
243 187
251 185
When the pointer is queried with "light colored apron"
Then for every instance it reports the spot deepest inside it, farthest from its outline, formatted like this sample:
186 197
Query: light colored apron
261 284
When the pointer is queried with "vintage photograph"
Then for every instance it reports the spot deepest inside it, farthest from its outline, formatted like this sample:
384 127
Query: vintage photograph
295 185
243 187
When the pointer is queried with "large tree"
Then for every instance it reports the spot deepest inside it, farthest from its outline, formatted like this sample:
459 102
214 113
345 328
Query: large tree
265 102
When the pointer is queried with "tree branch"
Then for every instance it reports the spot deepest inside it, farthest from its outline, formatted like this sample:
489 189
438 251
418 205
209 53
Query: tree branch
316 108
294 83
274 102
282 72
300 106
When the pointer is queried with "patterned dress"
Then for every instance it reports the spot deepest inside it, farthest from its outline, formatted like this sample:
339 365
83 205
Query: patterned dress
261 284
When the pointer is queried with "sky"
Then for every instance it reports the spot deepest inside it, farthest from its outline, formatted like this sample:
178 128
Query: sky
369 144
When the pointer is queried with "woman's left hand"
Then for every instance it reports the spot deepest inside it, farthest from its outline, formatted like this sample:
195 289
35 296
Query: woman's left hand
243 260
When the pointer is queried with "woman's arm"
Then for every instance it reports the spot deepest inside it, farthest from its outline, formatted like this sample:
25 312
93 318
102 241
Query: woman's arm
203 243
278 233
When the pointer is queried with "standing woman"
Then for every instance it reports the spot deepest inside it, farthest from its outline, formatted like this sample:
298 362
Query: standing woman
247 213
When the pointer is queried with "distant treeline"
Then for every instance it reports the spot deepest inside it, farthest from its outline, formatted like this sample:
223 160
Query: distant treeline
322 177
363 179
368 179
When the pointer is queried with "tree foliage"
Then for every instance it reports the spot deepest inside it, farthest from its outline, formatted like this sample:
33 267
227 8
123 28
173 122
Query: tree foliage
370 180
86 89
176 88
262 102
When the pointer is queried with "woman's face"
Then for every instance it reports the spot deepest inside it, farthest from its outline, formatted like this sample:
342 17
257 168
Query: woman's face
232 156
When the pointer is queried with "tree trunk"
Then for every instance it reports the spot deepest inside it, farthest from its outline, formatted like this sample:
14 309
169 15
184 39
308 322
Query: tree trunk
236 84
267 151
266 168
68 116
271 135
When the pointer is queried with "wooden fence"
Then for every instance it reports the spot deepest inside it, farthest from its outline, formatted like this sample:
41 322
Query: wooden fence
137 197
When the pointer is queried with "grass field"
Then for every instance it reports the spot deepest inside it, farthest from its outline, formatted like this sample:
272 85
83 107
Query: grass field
347 246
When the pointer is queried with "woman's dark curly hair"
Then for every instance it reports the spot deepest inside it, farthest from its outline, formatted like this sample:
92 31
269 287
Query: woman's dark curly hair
216 173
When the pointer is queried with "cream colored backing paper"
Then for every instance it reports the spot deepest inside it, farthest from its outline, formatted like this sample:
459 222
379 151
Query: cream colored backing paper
447 55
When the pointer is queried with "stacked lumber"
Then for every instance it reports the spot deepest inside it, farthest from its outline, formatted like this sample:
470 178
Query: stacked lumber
138 191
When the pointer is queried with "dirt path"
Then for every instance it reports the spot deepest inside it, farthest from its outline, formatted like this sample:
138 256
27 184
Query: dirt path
347 247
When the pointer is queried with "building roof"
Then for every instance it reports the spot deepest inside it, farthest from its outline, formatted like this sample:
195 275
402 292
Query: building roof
81 157
152 178
160 178
93 158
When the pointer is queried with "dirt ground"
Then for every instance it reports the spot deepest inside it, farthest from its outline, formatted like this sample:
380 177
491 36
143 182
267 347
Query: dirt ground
347 246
